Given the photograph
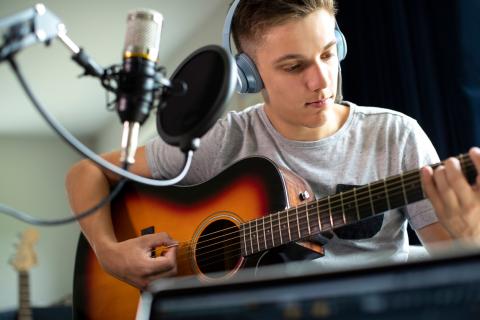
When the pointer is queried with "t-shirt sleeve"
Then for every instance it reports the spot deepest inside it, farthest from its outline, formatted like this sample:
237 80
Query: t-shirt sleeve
419 151
165 161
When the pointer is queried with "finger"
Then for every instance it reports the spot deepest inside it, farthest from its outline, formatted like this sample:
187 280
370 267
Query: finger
430 189
447 196
157 240
164 265
474 154
458 183
171 253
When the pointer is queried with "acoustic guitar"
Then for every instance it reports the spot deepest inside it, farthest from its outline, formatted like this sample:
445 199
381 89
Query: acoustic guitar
24 259
234 220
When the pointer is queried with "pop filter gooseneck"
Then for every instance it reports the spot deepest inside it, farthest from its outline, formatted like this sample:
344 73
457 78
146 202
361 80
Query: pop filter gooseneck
209 76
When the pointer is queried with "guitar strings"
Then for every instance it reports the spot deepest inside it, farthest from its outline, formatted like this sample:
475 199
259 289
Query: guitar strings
236 252
199 243
265 242
345 200
304 208
258 230
221 257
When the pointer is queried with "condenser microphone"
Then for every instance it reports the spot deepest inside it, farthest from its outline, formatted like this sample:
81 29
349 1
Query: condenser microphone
137 86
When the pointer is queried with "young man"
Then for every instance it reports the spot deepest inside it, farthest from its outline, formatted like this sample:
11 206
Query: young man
300 127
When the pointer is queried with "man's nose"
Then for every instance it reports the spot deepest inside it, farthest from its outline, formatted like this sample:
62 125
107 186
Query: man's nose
317 76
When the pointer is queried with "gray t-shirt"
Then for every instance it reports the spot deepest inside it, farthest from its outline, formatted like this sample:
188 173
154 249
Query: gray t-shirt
373 143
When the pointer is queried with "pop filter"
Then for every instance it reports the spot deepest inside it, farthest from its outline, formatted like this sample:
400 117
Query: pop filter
209 77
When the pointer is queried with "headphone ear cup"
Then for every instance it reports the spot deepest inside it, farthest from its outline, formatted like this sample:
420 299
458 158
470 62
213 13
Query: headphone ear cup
249 80
341 44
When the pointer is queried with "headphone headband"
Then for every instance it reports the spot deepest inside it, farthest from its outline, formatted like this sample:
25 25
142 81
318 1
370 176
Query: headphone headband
227 26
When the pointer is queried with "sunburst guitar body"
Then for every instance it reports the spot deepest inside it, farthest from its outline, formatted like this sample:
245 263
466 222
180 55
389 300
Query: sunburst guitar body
205 219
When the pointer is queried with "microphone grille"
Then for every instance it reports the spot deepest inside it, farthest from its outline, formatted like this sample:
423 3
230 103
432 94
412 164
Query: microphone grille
142 39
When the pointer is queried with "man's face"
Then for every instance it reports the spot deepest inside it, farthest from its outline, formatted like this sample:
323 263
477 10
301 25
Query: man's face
298 64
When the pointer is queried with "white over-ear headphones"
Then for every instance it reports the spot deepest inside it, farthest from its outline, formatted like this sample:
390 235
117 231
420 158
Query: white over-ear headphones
248 78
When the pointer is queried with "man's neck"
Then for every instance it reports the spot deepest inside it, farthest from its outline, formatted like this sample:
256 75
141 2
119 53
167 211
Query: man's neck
334 120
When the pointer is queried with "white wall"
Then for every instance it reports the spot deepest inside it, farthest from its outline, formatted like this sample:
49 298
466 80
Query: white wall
32 180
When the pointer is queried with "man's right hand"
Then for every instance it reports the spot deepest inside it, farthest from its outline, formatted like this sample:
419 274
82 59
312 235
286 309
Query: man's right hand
131 260
128 260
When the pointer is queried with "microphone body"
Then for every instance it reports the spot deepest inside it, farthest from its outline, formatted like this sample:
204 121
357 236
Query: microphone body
137 85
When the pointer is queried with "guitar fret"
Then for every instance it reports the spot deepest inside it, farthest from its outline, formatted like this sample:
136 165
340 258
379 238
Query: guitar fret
264 234
271 232
349 206
336 210
308 219
314 228
318 216
396 196
251 236
330 212
268 230
414 189
242 230
288 226
356 203
256 232
363 202
371 201
280 227
386 194
343 208
298 223
244 235
303 220
293 225
324 215
379 197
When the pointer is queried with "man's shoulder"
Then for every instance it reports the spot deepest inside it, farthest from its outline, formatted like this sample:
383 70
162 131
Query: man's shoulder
382 114
249 111
243 116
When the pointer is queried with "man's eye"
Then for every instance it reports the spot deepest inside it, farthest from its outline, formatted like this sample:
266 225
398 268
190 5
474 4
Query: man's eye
292 67
328 55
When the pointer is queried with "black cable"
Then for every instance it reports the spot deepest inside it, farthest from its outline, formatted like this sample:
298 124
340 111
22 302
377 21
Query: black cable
25 217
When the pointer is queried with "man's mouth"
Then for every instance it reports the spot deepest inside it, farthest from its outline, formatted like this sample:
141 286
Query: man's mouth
318 103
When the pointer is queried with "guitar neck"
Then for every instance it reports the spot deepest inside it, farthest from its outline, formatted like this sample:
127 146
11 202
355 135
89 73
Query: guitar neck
338 210
24 310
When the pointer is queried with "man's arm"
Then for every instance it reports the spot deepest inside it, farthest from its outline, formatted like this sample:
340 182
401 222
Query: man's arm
129 260
434 237
456 203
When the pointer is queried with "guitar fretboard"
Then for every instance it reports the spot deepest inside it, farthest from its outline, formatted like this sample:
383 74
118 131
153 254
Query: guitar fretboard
24 310
337 210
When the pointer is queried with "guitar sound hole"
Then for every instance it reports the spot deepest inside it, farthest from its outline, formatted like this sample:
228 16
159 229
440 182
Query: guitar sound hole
218 248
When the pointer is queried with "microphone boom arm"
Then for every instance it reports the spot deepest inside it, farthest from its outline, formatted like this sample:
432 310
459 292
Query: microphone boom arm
38 24
25 28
